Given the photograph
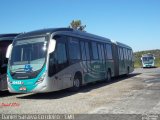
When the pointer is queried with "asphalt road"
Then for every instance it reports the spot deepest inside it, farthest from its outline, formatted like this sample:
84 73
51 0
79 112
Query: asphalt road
139 93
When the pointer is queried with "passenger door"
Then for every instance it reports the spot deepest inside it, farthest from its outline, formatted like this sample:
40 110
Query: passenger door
58 63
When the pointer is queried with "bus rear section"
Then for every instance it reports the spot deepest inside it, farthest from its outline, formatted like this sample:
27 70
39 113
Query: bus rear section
148 60
5 41
123 59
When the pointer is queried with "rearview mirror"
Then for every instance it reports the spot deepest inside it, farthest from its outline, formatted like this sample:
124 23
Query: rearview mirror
9 49
52 45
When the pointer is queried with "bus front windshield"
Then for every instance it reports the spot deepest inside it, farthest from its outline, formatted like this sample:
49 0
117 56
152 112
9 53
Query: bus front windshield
28 55
148 59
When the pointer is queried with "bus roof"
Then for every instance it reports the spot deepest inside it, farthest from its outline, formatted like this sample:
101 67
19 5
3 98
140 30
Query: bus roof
122 45
148 55
6 37
67 31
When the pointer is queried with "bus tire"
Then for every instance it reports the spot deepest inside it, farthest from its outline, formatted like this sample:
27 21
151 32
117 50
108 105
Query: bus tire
108 77
76 84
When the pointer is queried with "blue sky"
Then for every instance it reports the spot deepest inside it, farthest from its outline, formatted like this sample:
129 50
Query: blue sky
133 22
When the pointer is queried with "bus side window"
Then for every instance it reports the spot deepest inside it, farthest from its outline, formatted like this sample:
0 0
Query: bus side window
83 51
124 53
102 51
74 49
94 51
87 50
109 51
99 52
132 55
129 52
129 56
121 53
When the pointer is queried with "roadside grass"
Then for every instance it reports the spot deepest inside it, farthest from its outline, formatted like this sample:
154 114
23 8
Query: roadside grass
157 62
137 64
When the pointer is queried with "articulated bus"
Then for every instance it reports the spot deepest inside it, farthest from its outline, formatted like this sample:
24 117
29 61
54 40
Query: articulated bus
5 41
54 59
148 60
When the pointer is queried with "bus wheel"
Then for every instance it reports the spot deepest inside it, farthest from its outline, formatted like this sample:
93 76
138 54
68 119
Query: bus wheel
76 84
108 79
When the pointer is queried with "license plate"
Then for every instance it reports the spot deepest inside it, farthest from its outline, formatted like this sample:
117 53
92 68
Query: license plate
22 89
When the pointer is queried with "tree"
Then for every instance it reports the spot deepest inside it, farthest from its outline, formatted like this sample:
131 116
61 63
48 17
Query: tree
77 25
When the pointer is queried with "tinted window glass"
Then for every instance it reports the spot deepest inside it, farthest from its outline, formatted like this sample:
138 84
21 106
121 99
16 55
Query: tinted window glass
124 53
99 52
3 61
131 55
3 48
83 52
58 59
61 53
102 51
121 53
94 50
30 51
87 50
127 55
129 52
74 50
109 51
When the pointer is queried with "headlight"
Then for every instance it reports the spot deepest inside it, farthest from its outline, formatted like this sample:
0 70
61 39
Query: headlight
41 78
8 80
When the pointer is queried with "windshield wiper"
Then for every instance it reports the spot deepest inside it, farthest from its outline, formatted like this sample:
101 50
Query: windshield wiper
19 70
